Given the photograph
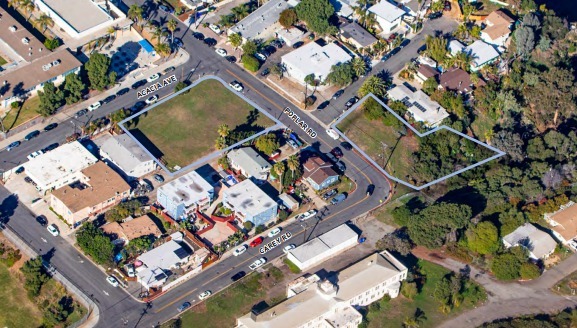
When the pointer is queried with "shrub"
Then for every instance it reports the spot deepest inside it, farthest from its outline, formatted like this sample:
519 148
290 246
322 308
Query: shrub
250 63
51 44
282 215
529 271
15 105
292 267
248 225
409 289
259 229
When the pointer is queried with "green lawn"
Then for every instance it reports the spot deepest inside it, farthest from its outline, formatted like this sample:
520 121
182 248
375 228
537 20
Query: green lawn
23 114
2 61
482 125
184 129
393 313
16 310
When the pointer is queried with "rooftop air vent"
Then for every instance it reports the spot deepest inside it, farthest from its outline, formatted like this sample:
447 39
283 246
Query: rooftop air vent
13 28
56 62
25 40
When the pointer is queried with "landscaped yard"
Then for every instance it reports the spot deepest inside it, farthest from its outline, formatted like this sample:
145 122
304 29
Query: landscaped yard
404 155
16 310
184 128
20 115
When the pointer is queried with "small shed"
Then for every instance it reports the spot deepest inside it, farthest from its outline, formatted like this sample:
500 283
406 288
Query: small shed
288 201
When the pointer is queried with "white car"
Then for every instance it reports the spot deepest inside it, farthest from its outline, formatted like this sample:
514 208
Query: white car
257 264
215 28
53 230
153 77
260 56
95 106
573 244
288 248
130 270
333 134
239 250
151 100
35 154
274 232
111 280
236 86
204 294
306 215
221 52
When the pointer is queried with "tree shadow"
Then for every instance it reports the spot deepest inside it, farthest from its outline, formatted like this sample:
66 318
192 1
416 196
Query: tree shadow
8 206
466 195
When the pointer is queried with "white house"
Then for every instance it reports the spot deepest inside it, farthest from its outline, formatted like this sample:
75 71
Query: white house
344 8
249 163
262 23
419 105
415 8
315 59
185 194
388 15
455 46
481 53
498 28
250 203
123 153
333 302
539 243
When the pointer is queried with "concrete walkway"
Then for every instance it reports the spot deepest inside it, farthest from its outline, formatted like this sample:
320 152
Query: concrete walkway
508 299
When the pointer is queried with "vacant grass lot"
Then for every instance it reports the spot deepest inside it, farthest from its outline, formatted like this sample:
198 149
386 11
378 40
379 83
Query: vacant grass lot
396 311
20 115
185 128
16 310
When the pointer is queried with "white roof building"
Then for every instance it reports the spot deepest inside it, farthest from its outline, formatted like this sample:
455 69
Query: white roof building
482 54
455 47
539 243
188 191
421 107
388 15
312 302
261 23
344 8
324 246
59 167
313 58
290 36
250 203
249 162
124 153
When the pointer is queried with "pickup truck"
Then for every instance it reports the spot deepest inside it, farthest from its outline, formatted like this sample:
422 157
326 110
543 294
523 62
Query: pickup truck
257 264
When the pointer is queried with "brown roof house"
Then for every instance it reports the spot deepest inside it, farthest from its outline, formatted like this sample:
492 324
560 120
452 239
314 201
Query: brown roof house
356 35
426 72
498 28
319 174
564 222
459 81
122 233
98 189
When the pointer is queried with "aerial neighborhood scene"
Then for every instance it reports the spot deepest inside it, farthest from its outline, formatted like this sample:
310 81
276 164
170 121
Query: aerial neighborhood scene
288 163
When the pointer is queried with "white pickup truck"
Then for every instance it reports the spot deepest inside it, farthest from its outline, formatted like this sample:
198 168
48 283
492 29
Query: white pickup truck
257 264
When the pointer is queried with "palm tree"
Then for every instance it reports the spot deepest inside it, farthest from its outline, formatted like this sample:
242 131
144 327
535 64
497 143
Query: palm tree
359 66
135 12
293 163
44 21
374 85
416 320
28 7
462 32
240 12
157 34
118 116
163 49
171 25
279 168
223 130
461 59
235 40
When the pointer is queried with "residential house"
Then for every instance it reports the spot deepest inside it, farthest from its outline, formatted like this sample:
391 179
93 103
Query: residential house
98 189
315 59
319 174
388 15
419 105
539 243
458 80
261 24
250 203
564 222
333 302
425 72
123 232
291 35
481 53
184 195
498 28
18 44
288 201
455 47
249 163
415 8
344 8
124 154
357 36
59 167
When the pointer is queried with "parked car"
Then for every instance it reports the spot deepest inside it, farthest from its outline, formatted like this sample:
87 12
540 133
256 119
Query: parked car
166 9
198 36
13 145
221 52
332 158
293 144
346 145
351 102
178 42
122 92
395 51
158 178
151 99
386 57
323 105
32 135
204 294
28 180
435 15
288 248
210 42
42 220
340 166
236 86
265 72
153 77
109 99
337 152
274 155
338 94
276 44
333 134
95 106
35 154
168 70
298 45
130 270
50 147
256 242
184 306
338 199
447 6
214 28
370 189
19 170
274 232
260 56
50 126
53 230
240 250
138 84
405 43
137 106
257 264
306 215
329 194
231 59
237 276
80 113
147 185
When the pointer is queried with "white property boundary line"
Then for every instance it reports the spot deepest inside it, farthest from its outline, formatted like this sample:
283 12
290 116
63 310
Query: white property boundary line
420 135
212 156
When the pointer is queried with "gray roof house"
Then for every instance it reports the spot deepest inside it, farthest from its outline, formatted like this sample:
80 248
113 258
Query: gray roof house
356 35
261 24
539 243
124 154
249 163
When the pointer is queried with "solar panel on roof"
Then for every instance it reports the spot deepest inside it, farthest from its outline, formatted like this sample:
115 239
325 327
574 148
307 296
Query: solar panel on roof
419 106
181 253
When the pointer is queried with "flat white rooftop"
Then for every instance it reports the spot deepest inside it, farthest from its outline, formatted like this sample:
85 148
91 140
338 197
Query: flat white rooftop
313 58
187 189
81 15
165 256
247 198
324 243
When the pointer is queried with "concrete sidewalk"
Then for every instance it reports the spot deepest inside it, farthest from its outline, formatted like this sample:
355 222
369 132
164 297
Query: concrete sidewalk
179 58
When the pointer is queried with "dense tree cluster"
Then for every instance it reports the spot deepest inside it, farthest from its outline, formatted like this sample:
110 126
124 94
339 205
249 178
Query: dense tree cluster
317 14
124 210
93 242
99 71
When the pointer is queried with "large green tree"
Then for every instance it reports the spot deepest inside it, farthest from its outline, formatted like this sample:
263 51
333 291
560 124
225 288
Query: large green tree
34 276
99 73
437 223
267 143
483 239
341 75
316 14
74 88
94 243
51 98
288 18
375 85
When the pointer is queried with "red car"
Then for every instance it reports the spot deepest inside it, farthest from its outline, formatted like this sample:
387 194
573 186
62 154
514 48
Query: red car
256 242
337 152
